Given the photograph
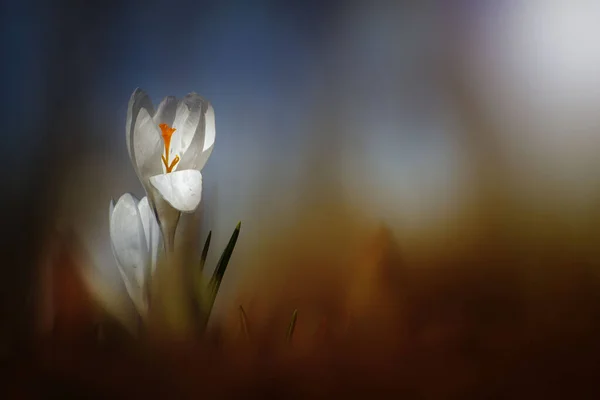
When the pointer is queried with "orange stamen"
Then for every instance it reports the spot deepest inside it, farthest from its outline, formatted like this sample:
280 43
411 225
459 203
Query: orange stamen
167 132
173 163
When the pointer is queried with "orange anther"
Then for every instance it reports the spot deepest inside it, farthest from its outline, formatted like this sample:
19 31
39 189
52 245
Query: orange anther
167 132
173 164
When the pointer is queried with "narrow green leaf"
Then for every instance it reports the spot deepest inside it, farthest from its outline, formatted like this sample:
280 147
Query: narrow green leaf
198 281
224 260
217 277
244 322
205 251
292 326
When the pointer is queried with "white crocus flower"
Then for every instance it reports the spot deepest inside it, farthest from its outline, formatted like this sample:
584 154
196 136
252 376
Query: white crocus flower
135 239
168 149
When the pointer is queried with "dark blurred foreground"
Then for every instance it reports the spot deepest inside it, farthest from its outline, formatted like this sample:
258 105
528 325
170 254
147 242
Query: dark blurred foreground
448 331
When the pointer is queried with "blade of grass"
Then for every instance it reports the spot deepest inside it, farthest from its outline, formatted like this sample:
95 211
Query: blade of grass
197 281
244 322
205 251
292 326
217 277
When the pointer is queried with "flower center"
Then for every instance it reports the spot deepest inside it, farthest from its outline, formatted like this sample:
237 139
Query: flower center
167 131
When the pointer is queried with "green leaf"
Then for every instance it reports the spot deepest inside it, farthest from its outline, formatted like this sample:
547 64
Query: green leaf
215 281
244 322
198 282
292 326
205 251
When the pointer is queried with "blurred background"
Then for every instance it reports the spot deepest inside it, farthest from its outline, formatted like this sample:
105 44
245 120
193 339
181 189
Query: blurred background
461 125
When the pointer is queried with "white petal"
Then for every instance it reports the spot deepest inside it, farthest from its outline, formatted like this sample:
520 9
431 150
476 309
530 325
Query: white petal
129 246
165 113
145 215
151 230
186 123
198 151
181 189
209 130
111 209
139 100
147 146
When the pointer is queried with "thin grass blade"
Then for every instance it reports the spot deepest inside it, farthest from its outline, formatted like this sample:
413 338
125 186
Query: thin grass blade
292 327
244 322
217 277
205 251
198 282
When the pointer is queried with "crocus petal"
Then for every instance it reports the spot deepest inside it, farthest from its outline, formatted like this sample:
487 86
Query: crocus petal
147 146
181 189
186 123
111 209
138 101
129 247
145 216
199 150
151 230
166 111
